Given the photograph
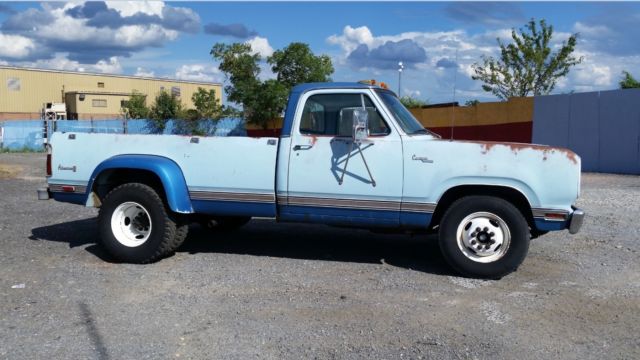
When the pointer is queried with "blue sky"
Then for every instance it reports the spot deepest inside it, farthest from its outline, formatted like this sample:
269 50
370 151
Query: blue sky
364 39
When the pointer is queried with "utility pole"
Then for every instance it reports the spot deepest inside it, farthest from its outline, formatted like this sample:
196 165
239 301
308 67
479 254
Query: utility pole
400 67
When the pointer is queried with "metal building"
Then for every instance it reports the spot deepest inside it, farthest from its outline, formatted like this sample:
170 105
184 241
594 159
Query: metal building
25 92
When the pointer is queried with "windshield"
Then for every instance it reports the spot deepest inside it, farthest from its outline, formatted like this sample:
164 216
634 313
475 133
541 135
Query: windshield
404 117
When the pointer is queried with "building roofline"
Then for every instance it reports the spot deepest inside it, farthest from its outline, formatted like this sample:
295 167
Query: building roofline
93 92
9 67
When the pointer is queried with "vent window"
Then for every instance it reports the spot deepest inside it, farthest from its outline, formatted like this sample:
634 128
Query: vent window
13 84
99 102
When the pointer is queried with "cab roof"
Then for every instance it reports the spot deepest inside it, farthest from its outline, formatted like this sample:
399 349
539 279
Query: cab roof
301 88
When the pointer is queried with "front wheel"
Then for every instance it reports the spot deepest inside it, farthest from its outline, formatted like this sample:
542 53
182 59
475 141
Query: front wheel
484 237
136 227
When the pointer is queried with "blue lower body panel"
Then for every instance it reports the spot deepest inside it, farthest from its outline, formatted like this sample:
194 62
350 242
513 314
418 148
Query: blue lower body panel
78 199
419 220
546 225
234 208
338 216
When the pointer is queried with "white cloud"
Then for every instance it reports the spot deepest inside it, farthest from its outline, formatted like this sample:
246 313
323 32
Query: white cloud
112 66
144 73
411 93
16 46
599 71
86 36
58 62
61 62
135 36
260 46
198 72
352 37
129 8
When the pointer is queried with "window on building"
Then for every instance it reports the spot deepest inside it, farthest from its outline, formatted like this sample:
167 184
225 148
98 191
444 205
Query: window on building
124 103
99 102
13 84
175 91
100 84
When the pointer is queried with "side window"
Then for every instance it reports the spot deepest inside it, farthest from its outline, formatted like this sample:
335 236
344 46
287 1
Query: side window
312 121
332 114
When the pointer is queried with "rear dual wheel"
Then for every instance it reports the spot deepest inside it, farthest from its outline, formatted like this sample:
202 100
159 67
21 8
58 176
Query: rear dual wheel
135 226
484 237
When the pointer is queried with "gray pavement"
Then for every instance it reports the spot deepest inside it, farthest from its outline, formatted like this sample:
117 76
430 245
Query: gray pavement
292 291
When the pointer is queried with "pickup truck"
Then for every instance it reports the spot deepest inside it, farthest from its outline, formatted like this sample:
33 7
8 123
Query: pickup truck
349 155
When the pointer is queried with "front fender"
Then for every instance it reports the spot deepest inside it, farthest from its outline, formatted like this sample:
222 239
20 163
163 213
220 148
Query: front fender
512 183
169 173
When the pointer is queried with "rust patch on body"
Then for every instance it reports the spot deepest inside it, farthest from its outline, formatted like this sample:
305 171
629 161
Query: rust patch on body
486 146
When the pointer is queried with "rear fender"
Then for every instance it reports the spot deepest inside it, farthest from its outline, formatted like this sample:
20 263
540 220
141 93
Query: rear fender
169 173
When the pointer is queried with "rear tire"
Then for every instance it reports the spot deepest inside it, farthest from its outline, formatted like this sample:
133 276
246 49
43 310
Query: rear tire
136 227
484 237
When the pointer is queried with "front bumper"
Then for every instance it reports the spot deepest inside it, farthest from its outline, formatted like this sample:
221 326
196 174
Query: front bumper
575 221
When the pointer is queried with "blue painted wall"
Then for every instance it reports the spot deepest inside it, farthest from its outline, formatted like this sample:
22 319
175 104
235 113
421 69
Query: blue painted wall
602 127
28 134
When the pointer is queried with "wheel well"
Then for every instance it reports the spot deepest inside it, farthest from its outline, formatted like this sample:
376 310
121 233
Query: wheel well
511 195
112 178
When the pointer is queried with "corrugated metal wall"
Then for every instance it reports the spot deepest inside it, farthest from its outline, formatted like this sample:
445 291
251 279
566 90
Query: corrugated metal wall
602 127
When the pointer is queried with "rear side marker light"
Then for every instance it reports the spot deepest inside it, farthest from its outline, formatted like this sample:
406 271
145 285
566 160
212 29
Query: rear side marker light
68 188
554 216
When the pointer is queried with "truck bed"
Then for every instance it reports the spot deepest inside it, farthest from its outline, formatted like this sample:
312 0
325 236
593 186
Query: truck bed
215 168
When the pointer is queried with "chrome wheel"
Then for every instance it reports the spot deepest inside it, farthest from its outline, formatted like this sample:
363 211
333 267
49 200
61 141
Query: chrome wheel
131 224
483 237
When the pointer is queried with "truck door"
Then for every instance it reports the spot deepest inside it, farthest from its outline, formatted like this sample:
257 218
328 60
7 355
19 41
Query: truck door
369 191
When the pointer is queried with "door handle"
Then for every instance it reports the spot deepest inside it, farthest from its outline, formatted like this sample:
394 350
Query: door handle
302 147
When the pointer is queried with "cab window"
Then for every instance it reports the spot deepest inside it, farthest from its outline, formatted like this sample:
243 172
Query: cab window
321 115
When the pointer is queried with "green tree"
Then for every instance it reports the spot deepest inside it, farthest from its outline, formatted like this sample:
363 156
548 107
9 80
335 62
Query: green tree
472 102
628 81
240 66
264 101
136 106
267 103
411 102
207 105
527 65
296 64
165 107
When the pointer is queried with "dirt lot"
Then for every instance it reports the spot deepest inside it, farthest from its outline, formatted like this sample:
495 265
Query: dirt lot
273 291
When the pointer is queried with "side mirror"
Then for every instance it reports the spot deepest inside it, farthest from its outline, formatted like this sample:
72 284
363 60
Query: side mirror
360 124
354 121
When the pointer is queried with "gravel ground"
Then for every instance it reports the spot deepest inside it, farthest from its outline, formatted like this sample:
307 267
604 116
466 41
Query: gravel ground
289 291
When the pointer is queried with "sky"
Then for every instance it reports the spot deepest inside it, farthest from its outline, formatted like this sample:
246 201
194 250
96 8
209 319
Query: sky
437 41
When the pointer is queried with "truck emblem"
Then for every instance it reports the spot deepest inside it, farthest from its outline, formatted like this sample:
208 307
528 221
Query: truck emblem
72 168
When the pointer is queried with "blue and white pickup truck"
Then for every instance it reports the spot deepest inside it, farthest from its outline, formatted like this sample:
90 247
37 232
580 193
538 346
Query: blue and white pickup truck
349 155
